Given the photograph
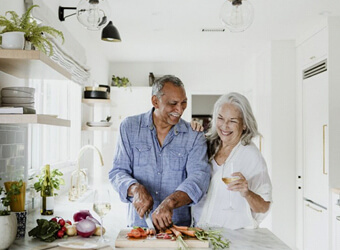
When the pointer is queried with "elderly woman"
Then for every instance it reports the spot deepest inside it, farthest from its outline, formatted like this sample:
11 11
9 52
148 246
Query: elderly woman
230 146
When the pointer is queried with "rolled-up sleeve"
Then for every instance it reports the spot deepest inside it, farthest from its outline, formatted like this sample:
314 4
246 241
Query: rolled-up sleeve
198 171
121 173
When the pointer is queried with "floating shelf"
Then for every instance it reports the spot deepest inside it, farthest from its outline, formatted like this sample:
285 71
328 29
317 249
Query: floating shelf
96 101
87 128
31 64
34 119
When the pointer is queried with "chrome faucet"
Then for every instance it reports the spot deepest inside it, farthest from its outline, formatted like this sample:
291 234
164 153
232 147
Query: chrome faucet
79 180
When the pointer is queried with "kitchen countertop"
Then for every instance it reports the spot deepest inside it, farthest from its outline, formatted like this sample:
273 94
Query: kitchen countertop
245 239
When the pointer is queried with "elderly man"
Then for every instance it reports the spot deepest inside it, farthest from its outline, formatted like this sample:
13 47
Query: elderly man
160 164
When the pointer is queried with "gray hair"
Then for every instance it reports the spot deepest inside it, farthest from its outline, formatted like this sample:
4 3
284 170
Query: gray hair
159 84
242 103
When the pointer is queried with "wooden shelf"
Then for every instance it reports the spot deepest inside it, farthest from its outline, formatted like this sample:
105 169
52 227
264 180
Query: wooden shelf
31 64
96 101
87 128
34 119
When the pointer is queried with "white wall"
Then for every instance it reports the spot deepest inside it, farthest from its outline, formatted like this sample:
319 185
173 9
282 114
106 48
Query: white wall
274 106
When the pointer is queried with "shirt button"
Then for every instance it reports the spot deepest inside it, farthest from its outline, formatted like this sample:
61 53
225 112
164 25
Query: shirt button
156 192
160 154
159 173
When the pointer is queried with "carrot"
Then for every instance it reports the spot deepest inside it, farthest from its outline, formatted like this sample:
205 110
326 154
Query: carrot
168 231
188 232
180 227
176 232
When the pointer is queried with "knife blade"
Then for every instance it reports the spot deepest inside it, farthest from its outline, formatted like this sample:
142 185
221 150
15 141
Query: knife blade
148 221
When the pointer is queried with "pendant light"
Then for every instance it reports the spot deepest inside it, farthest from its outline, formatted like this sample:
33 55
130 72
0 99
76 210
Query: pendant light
237 15
93 14
110 33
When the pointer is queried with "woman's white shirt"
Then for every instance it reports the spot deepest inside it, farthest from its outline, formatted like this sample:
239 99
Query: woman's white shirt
211 210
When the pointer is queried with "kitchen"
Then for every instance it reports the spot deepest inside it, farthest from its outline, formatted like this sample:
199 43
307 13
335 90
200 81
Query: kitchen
265 63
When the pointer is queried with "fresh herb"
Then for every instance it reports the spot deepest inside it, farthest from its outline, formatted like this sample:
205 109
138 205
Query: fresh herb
46 230
34 32
8 198
214 237
56 180
181 243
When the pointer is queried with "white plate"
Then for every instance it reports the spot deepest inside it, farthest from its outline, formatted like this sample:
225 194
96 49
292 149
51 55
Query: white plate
99 124
78 245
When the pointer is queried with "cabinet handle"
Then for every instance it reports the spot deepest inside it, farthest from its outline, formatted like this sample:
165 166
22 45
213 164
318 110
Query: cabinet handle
317 210
324 149
260 143
337 217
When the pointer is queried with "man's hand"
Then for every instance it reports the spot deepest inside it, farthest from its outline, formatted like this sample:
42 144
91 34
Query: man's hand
142 200
162 216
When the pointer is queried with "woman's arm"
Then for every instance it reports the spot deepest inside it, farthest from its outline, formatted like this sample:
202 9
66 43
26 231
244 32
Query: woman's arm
255 201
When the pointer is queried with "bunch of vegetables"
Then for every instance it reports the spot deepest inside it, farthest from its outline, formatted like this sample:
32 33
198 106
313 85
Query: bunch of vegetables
85 225
179 232
51 230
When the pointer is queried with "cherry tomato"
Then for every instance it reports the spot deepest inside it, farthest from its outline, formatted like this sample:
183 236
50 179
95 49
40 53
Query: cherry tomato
63 229
69 222
61 222
60 233
54 219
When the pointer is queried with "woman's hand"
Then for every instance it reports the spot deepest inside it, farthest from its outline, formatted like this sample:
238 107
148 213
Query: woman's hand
255 201
240 185
196 126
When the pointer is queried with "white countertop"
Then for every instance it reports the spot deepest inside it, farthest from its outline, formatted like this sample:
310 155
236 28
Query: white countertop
245 239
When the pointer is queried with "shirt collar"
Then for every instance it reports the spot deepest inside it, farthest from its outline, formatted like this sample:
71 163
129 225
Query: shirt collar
147 121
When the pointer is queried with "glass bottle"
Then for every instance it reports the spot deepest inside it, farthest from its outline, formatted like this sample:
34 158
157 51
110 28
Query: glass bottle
47 197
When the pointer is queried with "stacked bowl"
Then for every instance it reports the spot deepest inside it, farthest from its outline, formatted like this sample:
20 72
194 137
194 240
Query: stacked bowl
17 97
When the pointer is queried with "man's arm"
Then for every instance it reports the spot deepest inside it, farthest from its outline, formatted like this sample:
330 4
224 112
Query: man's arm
162 216
198 171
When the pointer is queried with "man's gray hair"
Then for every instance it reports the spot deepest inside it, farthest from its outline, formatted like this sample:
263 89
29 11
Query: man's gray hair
242 103
159 84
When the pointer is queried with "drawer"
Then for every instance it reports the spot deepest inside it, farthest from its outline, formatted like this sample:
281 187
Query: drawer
314 49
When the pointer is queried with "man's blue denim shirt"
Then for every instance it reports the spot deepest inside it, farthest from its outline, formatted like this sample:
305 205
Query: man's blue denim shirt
180 164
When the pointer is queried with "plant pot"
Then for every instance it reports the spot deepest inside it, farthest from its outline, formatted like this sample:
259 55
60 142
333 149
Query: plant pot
17 203
13 40
8 230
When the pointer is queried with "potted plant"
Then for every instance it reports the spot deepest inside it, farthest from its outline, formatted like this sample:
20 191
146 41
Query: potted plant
15 195
8 220
34 33
120 81
56 180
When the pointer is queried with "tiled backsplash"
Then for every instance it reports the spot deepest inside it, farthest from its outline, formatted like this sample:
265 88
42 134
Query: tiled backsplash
13 152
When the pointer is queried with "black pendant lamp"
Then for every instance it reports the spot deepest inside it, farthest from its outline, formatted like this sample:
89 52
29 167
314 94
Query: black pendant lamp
110 33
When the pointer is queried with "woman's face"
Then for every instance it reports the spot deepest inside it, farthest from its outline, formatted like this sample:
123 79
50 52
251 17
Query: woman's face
229 124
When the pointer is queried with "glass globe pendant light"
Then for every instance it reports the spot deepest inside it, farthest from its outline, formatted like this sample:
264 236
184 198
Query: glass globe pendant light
237 15
93 14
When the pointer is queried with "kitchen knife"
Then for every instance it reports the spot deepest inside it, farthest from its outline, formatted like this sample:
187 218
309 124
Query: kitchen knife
148 221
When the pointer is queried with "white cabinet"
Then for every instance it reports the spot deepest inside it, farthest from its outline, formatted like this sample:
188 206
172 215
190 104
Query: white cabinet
314 48
318 133
129 101
315 127
335 219
315 227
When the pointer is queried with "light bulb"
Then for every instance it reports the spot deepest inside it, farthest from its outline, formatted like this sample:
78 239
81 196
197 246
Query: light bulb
237 15
93 14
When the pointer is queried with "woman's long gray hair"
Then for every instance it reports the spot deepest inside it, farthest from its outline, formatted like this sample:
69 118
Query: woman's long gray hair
242 103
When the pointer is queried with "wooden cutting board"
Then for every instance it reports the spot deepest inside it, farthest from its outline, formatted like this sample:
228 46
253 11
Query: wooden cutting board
125 242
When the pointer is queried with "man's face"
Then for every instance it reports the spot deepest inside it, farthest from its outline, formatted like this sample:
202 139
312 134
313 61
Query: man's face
171 105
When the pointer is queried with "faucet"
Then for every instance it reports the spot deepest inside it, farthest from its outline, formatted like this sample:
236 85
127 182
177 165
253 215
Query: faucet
79 178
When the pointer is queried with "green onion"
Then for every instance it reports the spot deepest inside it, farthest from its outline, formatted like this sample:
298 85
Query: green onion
214 237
